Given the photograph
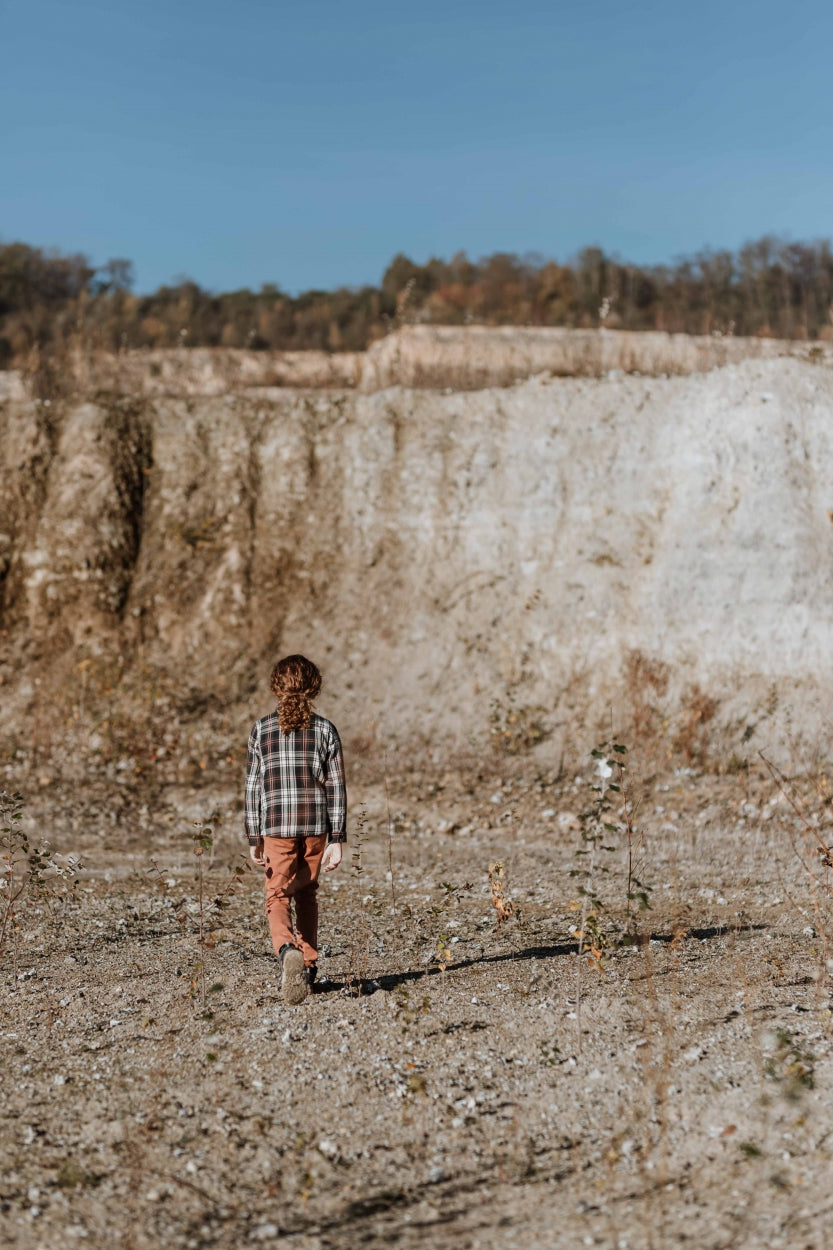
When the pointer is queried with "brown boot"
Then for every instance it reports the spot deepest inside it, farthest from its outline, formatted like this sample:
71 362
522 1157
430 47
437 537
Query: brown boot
294 984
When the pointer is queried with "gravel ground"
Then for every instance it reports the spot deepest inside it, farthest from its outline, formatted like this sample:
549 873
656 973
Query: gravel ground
487 1087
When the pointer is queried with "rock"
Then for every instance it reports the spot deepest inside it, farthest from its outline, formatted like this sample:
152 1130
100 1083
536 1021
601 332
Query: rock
264 1232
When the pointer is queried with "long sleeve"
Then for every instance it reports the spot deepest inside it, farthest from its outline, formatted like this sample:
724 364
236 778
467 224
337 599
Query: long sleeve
254 765
336 789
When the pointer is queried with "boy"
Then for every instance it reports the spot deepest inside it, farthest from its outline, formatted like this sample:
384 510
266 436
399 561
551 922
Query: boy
296 816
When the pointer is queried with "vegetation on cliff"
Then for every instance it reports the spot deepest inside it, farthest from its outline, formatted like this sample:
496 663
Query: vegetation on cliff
50 301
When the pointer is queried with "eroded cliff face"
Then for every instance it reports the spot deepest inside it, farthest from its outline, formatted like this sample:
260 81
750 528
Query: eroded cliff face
520 560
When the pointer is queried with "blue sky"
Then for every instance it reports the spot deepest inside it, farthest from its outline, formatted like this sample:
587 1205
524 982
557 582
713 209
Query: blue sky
305 143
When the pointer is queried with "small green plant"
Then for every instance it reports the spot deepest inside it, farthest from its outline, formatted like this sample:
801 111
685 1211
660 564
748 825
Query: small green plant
416 1087
72 1176
611 815
407 1009
222 901
443 952
595 929
636 890
788 1063
209 915
515 729
549 1054
451 893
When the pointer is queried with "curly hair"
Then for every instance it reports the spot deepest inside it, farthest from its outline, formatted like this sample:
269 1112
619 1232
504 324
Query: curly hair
295 682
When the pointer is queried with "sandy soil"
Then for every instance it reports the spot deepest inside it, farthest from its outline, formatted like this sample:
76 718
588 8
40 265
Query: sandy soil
678 1096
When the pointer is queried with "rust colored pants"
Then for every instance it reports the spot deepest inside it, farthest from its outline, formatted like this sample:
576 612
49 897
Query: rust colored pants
292 867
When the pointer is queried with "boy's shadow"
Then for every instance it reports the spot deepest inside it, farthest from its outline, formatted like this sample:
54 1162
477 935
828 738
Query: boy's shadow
390 981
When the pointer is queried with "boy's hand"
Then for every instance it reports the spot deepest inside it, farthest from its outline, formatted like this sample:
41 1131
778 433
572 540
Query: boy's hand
331 857
258 853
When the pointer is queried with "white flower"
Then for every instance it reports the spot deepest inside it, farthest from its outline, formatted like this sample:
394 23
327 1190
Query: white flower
603 769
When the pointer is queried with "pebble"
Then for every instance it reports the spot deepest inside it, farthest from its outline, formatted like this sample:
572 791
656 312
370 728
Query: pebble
263 1232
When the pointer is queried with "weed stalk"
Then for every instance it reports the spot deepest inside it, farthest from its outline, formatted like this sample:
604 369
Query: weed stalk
203 840
390 841
16 846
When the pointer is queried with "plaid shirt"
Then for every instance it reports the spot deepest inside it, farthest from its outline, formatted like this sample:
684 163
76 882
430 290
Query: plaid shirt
295 782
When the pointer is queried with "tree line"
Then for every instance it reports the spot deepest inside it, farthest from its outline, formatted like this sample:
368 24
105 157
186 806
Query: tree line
771 287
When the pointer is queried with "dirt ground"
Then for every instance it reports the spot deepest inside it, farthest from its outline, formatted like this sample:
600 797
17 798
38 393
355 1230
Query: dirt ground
487 1088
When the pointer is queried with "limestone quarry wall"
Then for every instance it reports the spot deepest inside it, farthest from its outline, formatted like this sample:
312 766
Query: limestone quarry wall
521 559
473 357
424 357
